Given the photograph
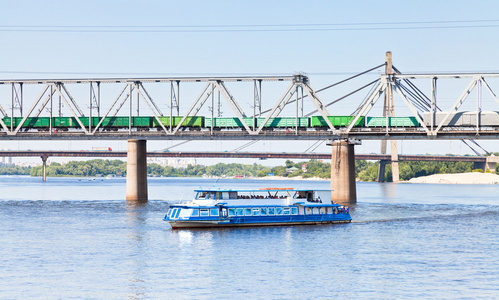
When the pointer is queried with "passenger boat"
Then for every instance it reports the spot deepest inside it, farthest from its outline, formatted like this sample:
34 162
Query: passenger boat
262 207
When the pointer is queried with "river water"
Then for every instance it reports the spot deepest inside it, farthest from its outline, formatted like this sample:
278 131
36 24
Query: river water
78 238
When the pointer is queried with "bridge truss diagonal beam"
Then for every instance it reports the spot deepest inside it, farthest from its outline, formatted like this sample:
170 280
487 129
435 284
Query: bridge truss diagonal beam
411 107
457 104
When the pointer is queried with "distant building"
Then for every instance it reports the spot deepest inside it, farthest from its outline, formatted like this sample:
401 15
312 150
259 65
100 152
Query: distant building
157 160
181 163
6 161
172 162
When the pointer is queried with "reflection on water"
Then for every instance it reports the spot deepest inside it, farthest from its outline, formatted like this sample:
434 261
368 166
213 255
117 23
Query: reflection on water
388 191
137 212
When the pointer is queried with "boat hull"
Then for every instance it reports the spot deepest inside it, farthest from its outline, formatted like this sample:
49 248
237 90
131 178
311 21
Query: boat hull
216 224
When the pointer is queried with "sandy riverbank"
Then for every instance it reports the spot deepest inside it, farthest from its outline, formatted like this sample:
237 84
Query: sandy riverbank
463 178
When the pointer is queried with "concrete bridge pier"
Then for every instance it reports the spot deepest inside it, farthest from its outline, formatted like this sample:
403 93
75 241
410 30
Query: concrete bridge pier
343 172
394 163
491 163
136 171
44 166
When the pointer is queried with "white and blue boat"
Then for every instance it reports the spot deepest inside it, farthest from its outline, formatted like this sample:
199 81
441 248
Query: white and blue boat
262 207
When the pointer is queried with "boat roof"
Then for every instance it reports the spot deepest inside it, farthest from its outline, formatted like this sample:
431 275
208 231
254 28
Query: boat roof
261 190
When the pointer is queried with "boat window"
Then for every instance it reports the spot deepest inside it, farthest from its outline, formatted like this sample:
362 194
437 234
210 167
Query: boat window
195 213
286 210
204 212
294 210
308 211
256 211
247 211
225 195
329 210
263 211
278 211
239 212
218 195
201 195
232 212
271 211
232 195
214 211
322 210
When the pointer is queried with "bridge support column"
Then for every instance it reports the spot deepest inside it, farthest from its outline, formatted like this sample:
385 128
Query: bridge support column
381 170
491 163
343 172
44 167
480 165
395 163
136 171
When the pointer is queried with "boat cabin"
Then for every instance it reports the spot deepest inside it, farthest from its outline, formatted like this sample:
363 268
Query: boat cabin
267 193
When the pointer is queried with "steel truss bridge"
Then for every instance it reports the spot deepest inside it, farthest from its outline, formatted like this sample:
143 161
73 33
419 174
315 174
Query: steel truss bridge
133 97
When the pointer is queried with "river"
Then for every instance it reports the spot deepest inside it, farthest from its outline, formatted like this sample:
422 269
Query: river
78 238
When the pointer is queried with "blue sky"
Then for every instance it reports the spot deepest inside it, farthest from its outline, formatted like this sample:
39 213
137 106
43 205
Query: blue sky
357 42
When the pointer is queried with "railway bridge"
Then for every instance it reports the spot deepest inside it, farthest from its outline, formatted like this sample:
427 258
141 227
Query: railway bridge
218 108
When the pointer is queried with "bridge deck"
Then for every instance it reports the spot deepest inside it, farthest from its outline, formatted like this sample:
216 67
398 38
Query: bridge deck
398 134
261 155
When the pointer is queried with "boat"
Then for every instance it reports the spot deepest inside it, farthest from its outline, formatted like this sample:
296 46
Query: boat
260 207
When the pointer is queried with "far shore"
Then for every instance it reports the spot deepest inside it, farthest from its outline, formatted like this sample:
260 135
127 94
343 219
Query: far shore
461 178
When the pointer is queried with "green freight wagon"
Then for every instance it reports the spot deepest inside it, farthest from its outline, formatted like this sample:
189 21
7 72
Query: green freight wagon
115 122
141 122
336 121
284 122
31 122
72 122
188 122
228 122
62 122
85 120
8 121
392 122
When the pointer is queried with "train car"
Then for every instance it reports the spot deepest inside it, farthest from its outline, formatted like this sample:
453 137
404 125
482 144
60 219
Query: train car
284 122
228 123
189 122
30 122
336 121
392 122
463 118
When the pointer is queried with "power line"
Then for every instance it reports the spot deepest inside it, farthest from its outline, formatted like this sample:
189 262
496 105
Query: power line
251 25
305 27
172 74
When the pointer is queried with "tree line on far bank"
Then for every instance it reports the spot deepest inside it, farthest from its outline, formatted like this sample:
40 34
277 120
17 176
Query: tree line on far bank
365 170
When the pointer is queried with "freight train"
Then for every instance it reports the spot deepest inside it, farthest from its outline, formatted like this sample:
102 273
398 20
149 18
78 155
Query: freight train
199 122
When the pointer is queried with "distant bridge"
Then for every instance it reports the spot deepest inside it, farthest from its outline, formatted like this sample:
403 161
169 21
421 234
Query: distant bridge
260 155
